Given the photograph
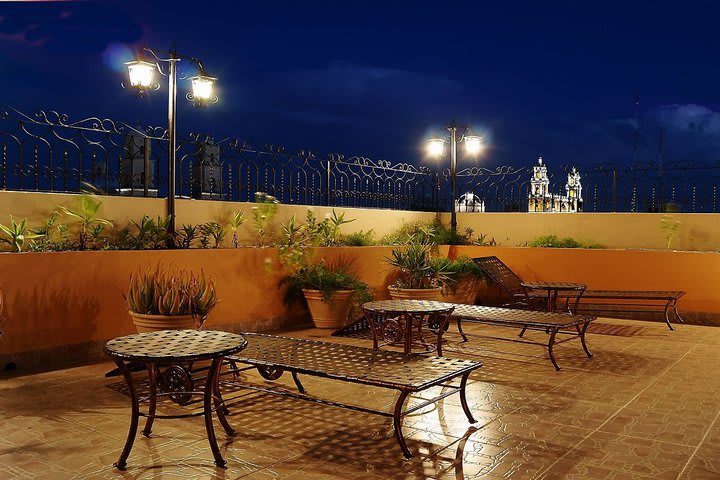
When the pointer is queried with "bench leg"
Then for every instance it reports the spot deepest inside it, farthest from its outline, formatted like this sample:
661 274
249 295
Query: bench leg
522 332
121 464
463 398
551 343
667 318
581 334
397 423
460 330
675 311
298 384
152 380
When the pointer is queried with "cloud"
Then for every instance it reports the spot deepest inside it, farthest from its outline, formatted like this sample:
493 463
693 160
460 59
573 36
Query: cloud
68 26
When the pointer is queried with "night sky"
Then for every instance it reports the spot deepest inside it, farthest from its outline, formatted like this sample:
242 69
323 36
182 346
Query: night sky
557 78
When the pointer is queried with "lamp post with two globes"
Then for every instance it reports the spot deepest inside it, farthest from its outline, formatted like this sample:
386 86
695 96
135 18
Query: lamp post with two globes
141 76
436 148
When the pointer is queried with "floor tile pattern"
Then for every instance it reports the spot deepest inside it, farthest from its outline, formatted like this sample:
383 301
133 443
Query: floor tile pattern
645 407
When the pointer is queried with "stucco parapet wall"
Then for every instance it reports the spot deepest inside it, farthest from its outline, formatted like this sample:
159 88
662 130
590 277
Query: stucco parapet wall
695 231
37 207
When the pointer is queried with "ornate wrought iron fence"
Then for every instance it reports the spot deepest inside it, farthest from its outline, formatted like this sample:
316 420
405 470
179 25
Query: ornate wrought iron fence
48 152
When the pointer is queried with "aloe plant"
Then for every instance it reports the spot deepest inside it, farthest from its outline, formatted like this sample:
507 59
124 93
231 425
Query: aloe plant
160 291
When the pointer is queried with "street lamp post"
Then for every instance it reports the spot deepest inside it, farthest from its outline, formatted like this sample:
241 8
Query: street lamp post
436 148
141 76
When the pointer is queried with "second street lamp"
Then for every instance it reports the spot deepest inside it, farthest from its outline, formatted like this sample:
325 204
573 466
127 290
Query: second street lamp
141 77
436 148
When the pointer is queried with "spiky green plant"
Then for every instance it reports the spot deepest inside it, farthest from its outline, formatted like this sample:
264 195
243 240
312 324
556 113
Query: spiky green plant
16 233
212 230
236 222
161 291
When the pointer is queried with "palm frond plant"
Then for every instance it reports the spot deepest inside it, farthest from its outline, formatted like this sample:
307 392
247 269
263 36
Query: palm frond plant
460 280
417 269
263 212
86 215
236 222
186 235
214 231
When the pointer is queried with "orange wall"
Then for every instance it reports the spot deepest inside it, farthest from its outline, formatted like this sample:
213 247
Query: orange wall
694 272
68 298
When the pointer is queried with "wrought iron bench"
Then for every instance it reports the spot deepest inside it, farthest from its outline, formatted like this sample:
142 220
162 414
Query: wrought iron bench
409 374
597 300
553 324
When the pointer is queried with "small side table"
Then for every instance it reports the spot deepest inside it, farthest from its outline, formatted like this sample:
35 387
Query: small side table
552 291
173 347
393 321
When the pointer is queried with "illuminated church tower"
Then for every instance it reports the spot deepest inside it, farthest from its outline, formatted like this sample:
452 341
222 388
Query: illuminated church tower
573 189
539 199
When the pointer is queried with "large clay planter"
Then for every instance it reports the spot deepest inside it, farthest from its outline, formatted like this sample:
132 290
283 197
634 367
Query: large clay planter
153 323
329 314
415 293
465 291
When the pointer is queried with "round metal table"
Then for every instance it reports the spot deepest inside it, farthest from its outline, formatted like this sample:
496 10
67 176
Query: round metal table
393 321
553 288
173 348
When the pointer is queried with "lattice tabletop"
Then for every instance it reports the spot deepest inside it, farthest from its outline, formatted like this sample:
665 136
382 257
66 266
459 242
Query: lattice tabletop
176 345
346 362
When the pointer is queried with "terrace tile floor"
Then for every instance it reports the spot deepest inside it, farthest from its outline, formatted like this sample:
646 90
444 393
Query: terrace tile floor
646 407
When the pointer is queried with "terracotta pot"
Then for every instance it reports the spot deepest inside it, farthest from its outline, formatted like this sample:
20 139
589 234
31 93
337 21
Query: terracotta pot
329 314
415 293
465 291
151 323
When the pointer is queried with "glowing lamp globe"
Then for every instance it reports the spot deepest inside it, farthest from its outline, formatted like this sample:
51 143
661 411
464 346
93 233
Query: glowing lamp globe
141 73
202 87
473 144
435 147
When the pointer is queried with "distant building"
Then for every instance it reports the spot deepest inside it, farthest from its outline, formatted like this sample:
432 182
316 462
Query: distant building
541 199
207 171
136 160
469 202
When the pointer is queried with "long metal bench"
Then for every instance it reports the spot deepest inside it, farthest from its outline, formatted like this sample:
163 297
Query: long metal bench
511 283
409 374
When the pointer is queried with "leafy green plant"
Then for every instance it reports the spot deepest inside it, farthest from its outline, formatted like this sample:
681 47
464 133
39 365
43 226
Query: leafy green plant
16 233
86 215
236 222
359 239
263 213
186 235
670 228
50 236
482 240
414 261
407 231
150 234
214 231
456 270
161 291
327 232
553 241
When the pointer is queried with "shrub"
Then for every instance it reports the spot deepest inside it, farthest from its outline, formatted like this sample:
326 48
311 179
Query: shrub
553 241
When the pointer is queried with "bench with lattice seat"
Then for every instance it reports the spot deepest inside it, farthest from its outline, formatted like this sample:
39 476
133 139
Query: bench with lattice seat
409 374
593 300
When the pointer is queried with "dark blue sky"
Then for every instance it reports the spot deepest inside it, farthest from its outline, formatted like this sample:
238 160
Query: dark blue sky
375 78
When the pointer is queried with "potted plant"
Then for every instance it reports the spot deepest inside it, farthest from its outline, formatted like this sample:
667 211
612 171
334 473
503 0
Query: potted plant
330 291
420 277
163 299
461 280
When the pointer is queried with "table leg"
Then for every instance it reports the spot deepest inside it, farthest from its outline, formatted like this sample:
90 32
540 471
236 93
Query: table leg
677 315
152 370
581 333
207 406
551 343
220 408
121 464
408 333
549 301
397 423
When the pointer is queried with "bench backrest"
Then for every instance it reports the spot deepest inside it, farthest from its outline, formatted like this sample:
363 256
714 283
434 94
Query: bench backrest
501 274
